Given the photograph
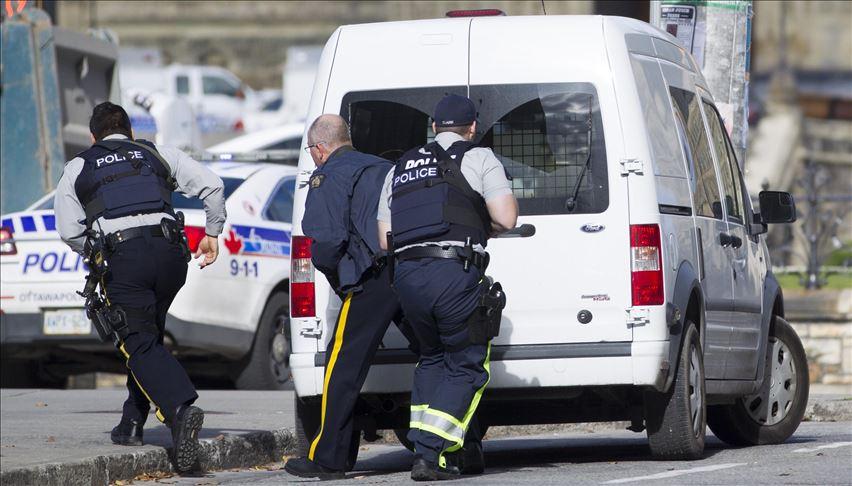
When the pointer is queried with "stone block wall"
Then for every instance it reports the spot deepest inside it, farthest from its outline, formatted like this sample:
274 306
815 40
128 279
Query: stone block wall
823 320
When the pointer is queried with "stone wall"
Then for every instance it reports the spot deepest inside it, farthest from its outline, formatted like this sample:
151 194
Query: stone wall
823 320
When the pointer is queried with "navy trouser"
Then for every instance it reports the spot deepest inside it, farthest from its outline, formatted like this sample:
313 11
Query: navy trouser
438 296
362 322
145 274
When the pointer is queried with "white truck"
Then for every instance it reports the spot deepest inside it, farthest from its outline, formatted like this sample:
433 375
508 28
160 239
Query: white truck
646 293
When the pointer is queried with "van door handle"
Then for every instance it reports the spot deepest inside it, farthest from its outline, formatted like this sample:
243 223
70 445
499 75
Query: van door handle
724 240
736 241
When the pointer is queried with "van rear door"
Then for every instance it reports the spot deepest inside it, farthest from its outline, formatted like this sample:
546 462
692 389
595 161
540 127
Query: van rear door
545 114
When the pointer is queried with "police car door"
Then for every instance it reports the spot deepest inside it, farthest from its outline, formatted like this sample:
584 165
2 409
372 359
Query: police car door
555 128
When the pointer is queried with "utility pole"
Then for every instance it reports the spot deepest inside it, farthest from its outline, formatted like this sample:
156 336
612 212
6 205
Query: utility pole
718 34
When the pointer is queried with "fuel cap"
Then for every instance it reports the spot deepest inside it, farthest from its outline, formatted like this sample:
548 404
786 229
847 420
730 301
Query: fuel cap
584 316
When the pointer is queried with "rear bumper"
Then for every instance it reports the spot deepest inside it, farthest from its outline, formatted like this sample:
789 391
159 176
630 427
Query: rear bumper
515 366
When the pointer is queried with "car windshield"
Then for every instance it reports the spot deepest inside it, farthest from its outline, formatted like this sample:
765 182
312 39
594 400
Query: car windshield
179 201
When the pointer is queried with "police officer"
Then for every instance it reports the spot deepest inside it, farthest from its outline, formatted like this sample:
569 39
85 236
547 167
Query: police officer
119 192
441 202
340 218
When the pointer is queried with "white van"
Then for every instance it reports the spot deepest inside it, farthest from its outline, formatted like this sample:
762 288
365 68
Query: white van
645 293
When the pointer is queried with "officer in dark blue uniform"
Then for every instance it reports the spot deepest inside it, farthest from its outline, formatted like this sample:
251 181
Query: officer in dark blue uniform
340 218
115 199
440 203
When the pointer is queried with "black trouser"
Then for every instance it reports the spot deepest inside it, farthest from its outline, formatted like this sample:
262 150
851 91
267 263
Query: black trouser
144 276
363 319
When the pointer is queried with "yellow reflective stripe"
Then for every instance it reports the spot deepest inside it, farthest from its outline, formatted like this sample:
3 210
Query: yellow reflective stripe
338 342
158 414
473 405
435 430
419 407
444 415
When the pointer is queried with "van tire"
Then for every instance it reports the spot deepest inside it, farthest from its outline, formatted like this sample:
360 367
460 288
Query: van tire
307 423
402 436
786 365
676 420
268 366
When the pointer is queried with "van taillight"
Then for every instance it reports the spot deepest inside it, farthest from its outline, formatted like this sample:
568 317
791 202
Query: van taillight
646 263
302 294
194 235
7 242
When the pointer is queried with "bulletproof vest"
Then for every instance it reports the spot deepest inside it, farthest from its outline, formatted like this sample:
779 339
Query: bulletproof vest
432 201
123 178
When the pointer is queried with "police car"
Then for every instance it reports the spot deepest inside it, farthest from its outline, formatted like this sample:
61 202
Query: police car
645 294
229 320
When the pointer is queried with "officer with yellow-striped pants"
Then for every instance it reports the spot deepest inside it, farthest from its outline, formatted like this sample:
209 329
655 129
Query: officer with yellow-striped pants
340 218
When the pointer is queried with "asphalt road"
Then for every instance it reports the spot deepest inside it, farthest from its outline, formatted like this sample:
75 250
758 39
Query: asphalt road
819 453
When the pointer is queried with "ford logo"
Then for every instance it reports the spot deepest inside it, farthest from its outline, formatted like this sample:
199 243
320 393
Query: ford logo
592 228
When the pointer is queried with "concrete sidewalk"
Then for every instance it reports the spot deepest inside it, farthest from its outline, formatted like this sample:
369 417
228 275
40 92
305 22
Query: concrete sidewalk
61 437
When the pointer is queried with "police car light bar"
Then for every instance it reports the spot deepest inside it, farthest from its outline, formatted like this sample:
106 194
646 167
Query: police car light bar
7 242
483 12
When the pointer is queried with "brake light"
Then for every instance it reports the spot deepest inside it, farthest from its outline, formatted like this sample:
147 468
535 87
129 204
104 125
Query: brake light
7 242
646 263
482 12
302 292
239 126
194 235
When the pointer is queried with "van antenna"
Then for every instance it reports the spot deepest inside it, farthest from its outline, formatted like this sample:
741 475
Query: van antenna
543 9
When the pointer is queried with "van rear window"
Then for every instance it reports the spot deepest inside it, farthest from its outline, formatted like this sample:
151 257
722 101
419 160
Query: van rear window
544 134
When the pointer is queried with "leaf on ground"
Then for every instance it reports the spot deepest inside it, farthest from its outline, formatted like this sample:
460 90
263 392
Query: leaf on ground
40 404
51 438
785 474
219 437
155 476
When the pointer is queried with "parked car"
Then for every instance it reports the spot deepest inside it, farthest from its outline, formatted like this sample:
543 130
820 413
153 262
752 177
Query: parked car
646 293
287 138
231 320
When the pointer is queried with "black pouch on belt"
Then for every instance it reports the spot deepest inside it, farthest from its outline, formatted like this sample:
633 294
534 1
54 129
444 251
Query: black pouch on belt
484 323
173 233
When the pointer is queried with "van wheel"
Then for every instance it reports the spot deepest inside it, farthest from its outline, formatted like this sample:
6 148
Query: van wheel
307 423
771 415
676 420
268 367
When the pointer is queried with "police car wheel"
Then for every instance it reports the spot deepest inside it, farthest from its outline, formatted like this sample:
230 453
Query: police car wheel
676 420
268 366
773 414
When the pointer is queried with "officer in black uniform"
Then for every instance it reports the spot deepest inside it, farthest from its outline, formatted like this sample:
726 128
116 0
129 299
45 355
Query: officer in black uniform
116 196
441 202
340 218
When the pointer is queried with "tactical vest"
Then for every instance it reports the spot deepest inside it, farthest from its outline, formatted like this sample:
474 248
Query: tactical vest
432 201
123 178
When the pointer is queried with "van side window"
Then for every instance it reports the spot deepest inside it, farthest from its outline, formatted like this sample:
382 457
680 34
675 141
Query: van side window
182 85
727 162
705 186
214 85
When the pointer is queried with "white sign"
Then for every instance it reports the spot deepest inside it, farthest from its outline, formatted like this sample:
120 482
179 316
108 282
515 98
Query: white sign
681 22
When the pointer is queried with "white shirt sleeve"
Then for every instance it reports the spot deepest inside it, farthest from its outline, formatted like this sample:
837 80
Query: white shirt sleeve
195 180
70 216
384 214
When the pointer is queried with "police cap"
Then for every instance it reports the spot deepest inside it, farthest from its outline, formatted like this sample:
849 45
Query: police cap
455 111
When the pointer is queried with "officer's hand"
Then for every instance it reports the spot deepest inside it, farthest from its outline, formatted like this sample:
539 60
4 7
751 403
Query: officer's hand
209 247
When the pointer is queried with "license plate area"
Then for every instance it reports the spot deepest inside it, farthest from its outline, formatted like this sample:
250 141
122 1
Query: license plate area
66 322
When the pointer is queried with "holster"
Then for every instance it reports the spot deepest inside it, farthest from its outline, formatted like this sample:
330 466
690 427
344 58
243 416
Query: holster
174 233
484 324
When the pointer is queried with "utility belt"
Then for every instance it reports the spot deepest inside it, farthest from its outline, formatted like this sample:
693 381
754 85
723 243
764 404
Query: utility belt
170 229
464 253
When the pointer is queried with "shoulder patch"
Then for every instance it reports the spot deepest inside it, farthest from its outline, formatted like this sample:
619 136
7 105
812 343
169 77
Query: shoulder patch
316 180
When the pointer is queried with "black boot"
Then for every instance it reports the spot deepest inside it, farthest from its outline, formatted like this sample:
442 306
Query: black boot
187 424
128 432
423 470
306 468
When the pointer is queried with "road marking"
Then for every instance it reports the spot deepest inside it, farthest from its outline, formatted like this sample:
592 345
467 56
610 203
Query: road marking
833 445
672 474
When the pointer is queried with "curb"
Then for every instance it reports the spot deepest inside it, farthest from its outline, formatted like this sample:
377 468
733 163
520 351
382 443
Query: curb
222 452
834 410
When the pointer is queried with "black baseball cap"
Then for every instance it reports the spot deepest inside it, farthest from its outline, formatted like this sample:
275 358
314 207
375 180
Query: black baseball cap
455 111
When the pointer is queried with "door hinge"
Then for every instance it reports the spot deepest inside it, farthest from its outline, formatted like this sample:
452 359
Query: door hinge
637 318
314 331
634 166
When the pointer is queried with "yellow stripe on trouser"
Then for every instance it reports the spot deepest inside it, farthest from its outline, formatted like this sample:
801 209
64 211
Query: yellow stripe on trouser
159 414
338 342
420 417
